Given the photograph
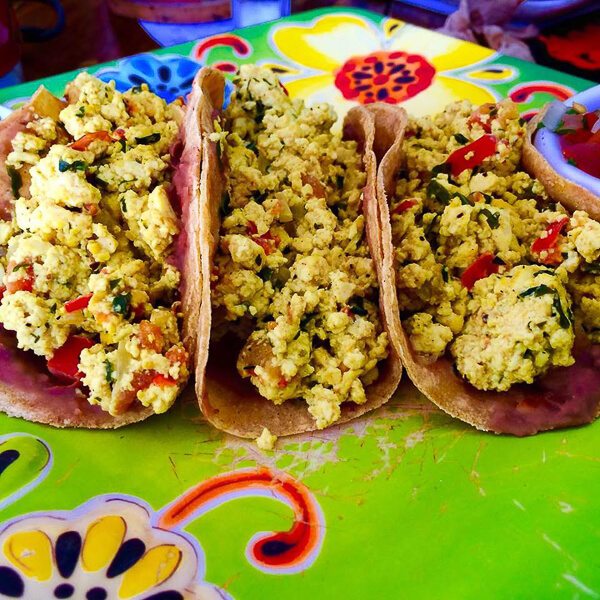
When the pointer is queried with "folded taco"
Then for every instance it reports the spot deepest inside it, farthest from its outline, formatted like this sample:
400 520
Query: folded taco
493 289
299 339
91 257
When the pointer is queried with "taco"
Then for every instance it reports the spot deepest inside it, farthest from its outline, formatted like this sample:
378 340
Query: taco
92 256
299 338
492 290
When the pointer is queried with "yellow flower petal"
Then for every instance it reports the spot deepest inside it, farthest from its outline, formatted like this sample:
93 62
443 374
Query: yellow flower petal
304 88
102 540
327 43
444 90
441 51
494 73
156 566
31 553
280 69
392 26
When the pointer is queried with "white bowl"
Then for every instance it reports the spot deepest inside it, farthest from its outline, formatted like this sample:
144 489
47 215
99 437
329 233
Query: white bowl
548 143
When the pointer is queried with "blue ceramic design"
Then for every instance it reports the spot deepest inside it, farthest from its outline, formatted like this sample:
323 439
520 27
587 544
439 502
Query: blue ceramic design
169 76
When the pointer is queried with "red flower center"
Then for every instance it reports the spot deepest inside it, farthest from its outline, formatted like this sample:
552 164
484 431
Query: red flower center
383 76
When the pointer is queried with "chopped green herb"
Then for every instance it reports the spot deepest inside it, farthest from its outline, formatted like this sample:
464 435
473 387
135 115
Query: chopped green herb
109 371
443 168
16 181
436 190
76 165
252 146
20 266
563 319
498 261
304 321
121 304
528 353
265 273
148 139
493 219
488 197
522 121
463 198
113 283
259 197
80 112
572 161
445 274
356 305
224 208
537 291
543 271
593 268
123 143
339 181
123 204
260 111
53 309
460 138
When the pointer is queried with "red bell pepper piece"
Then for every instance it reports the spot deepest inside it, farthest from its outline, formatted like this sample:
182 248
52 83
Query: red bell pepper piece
162 381
482 267
404 206
481 148
2 290
22 284
78 303
85 140
548 242
268 242
65 361
251 228
476 117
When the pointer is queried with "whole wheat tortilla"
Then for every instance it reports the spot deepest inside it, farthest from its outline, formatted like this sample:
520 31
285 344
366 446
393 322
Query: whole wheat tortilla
568 193
563 398
27 389
226 400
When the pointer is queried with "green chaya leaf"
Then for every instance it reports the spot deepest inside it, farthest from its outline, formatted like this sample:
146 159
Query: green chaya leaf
437 191
121 304
493 218
76 165
16 181
148 139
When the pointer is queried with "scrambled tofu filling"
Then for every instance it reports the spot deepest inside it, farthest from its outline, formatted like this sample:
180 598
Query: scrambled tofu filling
293 274
488 270
85 261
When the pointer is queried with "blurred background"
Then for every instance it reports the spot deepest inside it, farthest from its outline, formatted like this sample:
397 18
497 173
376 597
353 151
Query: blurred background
44 37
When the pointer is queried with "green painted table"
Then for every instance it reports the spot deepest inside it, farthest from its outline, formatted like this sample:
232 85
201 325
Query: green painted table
405 503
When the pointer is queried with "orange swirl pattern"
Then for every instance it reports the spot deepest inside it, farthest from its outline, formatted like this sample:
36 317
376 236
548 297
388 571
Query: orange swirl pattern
275 552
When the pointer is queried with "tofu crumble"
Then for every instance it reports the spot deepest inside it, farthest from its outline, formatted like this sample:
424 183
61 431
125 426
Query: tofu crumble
293 275
489 271
88 280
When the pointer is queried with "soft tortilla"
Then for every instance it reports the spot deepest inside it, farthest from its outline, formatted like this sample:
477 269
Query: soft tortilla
226 400
27 389
563 398
569 194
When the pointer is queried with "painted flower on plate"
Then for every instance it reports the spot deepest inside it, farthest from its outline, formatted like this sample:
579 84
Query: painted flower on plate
344 59
106 549
169 76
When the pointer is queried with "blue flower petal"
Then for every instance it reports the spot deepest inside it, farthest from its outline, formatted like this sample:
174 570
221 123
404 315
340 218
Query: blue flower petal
168 76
